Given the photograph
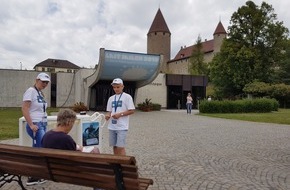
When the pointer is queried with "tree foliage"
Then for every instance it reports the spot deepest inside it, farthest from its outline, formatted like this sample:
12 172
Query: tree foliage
252 51
257 89
282 74
197 65
280 91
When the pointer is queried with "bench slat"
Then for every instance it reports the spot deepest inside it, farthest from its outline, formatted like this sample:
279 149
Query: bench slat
93 170
94 176
144 183
85 182
99 181
104 171
23 168
102 168
66 154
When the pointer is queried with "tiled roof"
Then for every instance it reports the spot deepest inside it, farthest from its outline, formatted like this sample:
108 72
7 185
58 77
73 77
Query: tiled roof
220 29
207 46
185 52
57 63
159 24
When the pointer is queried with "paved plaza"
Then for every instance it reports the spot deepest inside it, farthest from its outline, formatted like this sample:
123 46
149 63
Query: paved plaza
187 152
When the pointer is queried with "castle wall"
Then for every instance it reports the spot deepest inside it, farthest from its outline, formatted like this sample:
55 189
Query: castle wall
159 43
218 41
181 67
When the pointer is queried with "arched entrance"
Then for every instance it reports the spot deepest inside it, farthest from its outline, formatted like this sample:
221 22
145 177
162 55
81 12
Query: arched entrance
102 91
135 69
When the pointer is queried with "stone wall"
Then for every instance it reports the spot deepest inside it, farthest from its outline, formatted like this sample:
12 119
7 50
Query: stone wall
13 83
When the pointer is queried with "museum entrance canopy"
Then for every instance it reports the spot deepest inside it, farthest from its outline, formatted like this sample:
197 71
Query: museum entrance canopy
138 68
135 69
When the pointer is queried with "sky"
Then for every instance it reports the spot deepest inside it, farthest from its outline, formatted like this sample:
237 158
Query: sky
75 30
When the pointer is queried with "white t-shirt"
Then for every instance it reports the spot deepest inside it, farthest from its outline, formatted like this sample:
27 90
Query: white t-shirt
124 102
189 100
38 105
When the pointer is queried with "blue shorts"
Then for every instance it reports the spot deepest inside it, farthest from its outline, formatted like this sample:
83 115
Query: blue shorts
117 138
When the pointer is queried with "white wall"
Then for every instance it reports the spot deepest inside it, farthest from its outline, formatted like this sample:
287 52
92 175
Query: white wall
71 88
156 91
65 90
81 87
13 83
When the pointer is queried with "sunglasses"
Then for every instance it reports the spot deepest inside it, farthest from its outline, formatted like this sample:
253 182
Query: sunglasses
46 82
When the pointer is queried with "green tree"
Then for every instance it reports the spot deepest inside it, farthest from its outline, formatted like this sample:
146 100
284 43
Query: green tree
280 92
252 51
258 89
283 70
197 65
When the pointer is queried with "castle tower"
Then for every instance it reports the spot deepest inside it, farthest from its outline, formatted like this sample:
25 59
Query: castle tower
218 36
159 39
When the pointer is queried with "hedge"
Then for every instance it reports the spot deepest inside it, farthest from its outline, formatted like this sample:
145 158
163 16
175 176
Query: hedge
261 105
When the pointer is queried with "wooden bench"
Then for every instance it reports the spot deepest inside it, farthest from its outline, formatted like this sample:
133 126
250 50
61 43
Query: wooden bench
93 170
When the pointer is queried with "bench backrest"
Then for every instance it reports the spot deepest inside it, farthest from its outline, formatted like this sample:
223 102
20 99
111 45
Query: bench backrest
93 170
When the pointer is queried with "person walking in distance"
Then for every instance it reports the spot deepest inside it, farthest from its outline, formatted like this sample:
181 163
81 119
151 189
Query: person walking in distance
188 103
119 107
34 111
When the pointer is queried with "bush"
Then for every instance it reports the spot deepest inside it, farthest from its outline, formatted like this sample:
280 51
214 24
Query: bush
280 92
156 107
261 105
147 105
79 106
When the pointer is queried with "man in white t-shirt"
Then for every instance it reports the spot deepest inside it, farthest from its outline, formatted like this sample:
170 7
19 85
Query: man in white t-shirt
119 107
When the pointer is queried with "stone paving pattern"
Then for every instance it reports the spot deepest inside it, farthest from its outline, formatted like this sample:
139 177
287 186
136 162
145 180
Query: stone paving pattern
188 152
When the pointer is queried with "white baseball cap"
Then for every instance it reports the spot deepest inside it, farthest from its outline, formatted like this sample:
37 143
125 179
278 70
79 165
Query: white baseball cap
117 81
43 77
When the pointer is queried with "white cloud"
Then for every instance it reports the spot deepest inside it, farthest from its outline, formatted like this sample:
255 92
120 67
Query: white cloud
75 30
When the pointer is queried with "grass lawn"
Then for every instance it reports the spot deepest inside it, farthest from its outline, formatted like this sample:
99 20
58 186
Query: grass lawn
9 121
281 117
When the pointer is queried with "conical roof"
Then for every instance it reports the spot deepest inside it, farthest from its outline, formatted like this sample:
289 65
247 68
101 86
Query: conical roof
220 29
159 24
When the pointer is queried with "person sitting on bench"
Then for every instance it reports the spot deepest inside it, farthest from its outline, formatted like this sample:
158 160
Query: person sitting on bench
58 137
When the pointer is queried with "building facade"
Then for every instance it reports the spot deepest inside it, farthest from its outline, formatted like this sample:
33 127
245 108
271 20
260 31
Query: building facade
181 62
159 39
56 65
175 80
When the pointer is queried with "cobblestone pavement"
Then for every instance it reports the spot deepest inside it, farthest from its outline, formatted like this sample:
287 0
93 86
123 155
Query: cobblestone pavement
188 152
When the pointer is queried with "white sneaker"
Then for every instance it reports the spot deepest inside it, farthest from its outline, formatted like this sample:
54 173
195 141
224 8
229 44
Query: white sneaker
34 181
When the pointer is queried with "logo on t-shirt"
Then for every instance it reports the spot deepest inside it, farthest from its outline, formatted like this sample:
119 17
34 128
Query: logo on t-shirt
40 99
119 104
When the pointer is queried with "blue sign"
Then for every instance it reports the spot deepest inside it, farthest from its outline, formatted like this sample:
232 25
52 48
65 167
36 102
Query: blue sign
129 66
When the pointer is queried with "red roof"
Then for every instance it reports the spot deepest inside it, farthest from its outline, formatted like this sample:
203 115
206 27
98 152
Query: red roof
57 63
220 29
207 46
186 52
159 24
